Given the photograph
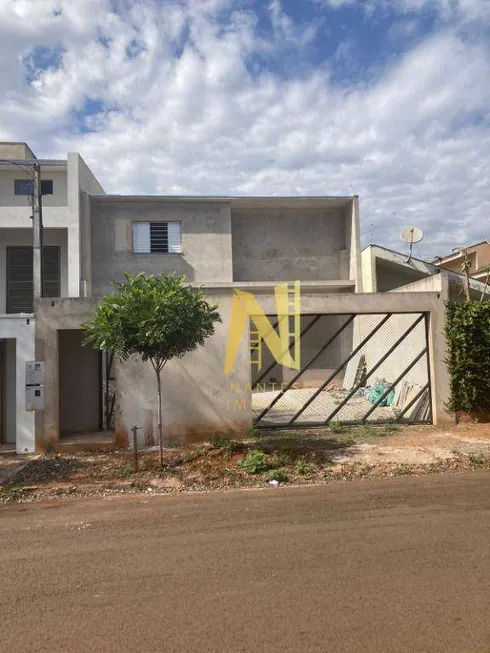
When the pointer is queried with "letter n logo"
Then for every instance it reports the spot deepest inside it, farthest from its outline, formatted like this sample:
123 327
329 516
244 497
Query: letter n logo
284 345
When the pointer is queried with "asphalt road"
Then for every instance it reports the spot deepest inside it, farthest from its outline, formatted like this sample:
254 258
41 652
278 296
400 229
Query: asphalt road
387 566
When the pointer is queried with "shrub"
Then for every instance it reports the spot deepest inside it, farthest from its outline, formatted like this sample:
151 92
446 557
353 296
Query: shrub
255 462
468 361
277 475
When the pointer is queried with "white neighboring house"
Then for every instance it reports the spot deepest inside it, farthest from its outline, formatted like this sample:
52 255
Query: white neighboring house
66 217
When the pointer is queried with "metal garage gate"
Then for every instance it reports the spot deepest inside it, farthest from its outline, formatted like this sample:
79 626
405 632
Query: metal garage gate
352 369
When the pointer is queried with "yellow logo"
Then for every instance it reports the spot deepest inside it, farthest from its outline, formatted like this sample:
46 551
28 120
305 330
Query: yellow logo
284 345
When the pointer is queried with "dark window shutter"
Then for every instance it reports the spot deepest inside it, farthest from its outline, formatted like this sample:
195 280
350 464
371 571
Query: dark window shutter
19 277
19 280
159 237
51 271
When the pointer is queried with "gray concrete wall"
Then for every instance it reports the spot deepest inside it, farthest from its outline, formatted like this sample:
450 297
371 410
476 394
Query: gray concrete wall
79 378
198 399
290 244
16 151
206 241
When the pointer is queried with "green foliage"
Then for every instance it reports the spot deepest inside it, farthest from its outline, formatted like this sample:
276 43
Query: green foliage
302 467
255 462
228 445
155 317
468 360
337 427
277 475
283 459
127 470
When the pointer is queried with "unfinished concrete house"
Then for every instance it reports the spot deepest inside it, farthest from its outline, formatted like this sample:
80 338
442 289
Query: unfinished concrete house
296 261
311 346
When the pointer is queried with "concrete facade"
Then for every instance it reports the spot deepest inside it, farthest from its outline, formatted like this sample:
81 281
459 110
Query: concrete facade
199 400
230 239
206 240
64 213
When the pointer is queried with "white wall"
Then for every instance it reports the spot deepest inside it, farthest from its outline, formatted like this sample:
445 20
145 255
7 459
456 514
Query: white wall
20 424
22 237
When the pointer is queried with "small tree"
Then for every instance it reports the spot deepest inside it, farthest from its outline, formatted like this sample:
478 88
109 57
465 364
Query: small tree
155 317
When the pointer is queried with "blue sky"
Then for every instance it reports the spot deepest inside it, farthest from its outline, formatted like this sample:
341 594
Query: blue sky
386 99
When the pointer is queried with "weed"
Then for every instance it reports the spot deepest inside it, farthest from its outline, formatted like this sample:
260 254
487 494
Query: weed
388 429
277 475
368 430
255 462
229 446
252 431
337 427
302 467
283 459
127 470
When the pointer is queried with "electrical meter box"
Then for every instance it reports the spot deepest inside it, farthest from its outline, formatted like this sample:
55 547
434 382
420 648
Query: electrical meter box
35 373
34 397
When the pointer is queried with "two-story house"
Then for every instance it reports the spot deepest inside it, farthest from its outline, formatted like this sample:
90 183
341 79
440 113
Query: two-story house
65 214
220 243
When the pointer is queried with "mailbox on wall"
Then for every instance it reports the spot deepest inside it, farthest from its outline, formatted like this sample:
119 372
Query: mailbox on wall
35 373
34 397
34 385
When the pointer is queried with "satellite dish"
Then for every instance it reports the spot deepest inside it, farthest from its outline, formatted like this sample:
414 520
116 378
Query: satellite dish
411 235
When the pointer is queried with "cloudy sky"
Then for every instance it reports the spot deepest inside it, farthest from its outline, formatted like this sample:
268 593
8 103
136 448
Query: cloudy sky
387 99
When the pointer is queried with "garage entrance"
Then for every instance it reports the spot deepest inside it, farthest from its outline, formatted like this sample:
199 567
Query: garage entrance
353 369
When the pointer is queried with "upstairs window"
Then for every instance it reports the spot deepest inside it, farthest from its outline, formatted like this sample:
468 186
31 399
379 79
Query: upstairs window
157 238
26 187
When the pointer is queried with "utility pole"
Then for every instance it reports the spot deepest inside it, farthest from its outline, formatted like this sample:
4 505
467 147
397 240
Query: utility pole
37 224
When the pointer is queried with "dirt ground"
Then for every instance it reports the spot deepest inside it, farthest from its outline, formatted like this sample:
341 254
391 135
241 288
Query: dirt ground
266 458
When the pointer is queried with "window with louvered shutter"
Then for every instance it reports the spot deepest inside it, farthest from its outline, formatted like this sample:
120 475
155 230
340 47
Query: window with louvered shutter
157 238
19 277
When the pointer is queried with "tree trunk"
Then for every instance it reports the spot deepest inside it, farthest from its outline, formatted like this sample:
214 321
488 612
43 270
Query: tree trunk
160 423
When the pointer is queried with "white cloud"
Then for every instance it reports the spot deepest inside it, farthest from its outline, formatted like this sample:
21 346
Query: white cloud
187 110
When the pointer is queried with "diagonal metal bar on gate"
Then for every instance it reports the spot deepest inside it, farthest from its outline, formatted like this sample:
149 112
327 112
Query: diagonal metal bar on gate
374 368
273 364
334 374
305 367
394 384
414 400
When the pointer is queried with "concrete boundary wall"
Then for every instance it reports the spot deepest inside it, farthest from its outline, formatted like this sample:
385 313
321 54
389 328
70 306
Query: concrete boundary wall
199 400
